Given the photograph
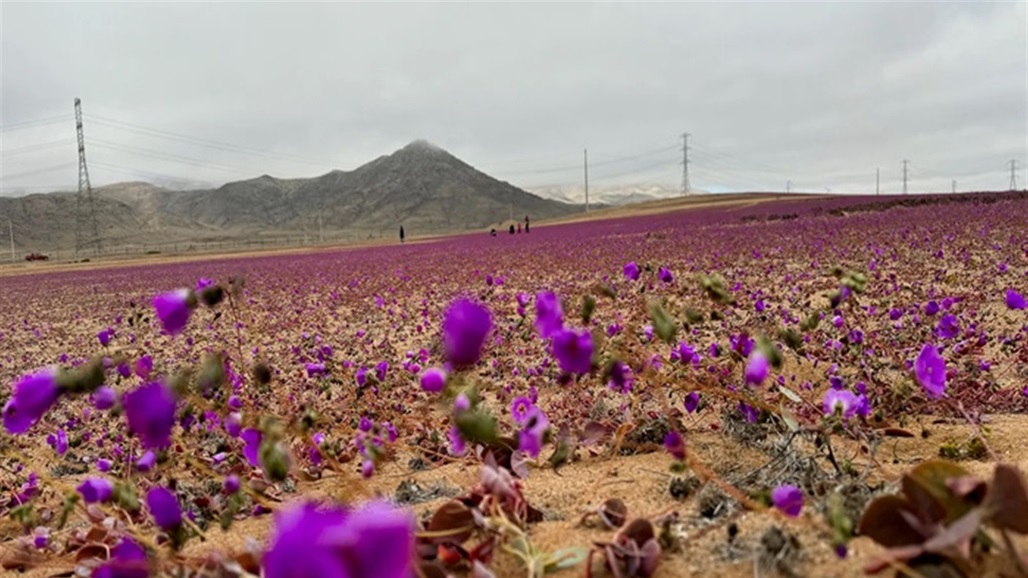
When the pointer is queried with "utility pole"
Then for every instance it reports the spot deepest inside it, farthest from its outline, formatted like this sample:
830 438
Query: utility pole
954 186
586 167
788 187
10 227
905 175
85 192
878 181
686 186
1013 174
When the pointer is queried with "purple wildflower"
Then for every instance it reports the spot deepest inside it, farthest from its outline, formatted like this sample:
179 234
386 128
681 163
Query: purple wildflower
128 560
1015 300
173 309
376 539
788 499
519 409
692 402
631 270
381 369
930 369
620 378
164 508
315 369
530 439
95 490
362 376
549 316
144 365
104 398
33 396
252 443
931 308
947 327
574 350
433 380
150 412
147 461
457 445
104 337
756 369
665 275
231 484
842 401
464 331
674 443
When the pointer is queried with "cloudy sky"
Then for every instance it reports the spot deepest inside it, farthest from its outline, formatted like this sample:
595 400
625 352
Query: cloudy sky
816 94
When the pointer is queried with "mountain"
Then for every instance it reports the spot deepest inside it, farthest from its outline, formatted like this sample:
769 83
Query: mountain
420 186
614 195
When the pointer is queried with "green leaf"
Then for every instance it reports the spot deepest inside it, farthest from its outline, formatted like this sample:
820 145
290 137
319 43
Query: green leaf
565 558
792 395
789 419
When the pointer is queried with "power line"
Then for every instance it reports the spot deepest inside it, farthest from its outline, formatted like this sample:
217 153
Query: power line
905 175
34 123
201 141
1013 174
166 156
36 147
38 171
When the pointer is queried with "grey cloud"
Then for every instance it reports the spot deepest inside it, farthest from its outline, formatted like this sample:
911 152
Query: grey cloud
819 94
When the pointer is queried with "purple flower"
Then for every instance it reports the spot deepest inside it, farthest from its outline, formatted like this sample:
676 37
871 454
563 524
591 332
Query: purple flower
461 403
315 369
1015 300
231 484
105 336
103 465
665 275
931 308
685 354
674 443
947 327
756 369
150 412
842 401
374 540
164 508
930 369
144 365
759 306
549 316
381 369
692 402
574 350
203 283
128 560
530 439
33 396
457 445
895 313
620 378
362 376
104 398
95 490
519 409
173 309
252 443
147 461
788 499
631 270
234 424
433 380
464 331
58 441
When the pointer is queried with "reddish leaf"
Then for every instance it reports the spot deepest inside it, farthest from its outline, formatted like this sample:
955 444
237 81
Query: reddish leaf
452 516
925 486
593 433
1007 501
956 535
883 522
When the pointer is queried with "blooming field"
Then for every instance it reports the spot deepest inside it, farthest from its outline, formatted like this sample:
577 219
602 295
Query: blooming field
704 391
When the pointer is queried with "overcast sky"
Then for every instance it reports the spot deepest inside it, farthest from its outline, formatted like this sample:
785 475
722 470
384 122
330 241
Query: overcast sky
817 94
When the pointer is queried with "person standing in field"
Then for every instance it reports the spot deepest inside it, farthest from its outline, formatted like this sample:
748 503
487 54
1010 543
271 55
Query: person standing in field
401 233
526 223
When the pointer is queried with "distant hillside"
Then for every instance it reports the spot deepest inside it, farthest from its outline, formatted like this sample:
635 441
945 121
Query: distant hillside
614 195
420 186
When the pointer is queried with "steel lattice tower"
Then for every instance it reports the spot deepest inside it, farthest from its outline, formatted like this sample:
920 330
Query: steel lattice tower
85 195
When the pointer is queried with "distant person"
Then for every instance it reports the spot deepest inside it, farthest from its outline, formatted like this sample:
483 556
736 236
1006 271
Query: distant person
492 232
526 223
519 228
512 229
401 233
